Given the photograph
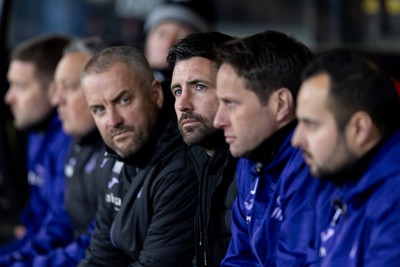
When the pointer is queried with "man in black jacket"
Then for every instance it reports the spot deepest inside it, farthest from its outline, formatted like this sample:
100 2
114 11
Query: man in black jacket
146 210
194 63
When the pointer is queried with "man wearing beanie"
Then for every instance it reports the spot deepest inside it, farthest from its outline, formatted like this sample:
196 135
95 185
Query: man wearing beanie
170 22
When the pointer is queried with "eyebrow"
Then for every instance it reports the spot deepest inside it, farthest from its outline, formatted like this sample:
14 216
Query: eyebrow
190 82
119 95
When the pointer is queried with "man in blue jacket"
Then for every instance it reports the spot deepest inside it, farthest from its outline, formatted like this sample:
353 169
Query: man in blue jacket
272 216
30 75
82 168
349 132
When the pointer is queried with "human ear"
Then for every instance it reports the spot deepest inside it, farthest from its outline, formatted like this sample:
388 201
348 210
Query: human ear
157 94
360 130
284 104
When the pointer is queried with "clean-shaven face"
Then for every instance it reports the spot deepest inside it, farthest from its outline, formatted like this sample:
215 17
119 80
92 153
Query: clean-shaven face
124 110
245 121
28 100
194 88
324 147
68 96
161 39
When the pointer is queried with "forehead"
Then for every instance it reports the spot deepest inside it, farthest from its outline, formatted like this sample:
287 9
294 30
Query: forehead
171 25
72 63
313 95
230 85
193 67
112 82
19 66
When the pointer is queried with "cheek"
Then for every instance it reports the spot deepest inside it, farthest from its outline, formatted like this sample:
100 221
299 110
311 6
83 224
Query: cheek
322 145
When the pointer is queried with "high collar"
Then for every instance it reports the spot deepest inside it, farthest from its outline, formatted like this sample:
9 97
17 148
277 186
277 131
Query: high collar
267 150
44 124
370 172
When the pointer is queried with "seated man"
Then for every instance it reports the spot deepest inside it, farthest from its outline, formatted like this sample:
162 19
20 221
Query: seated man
272 217
146 212
30 76
349 132
195 65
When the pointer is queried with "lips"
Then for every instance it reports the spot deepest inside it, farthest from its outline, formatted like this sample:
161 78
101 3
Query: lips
189 122
229 139
307 158
118 134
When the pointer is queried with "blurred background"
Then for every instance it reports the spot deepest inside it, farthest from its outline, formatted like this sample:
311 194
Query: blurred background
370 25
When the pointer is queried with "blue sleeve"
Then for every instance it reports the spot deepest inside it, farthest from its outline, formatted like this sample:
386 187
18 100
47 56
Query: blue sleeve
239 251
384 230
55 228
69 256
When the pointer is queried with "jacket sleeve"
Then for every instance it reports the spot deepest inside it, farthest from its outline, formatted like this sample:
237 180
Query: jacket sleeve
384 230
60 257
298 192
55 230
170 236
101 251
239 252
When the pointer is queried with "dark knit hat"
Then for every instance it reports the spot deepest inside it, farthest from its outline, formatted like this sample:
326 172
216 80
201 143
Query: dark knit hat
198 14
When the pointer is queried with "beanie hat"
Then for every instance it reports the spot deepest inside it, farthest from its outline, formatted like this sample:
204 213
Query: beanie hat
198 14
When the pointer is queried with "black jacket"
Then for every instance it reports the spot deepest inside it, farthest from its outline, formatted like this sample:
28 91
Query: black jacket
82 180
216 196
146 213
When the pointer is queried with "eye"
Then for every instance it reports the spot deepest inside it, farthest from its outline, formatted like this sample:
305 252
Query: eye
70 86
201 87
97 111
230 104
125 100
177 92
309 124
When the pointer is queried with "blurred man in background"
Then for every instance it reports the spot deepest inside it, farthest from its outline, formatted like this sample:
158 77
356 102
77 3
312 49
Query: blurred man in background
30 75
168 23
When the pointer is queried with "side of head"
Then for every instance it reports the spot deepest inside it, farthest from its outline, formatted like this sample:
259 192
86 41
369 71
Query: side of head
346 105
257 83
30 75
123 97
170 22
68 96
194 64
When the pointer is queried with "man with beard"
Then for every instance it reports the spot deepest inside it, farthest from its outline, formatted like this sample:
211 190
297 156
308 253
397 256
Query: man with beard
30 76
349 132
146 212
194 63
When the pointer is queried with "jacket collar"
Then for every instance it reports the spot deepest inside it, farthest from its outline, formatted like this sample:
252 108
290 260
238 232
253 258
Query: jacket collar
371 170
268 149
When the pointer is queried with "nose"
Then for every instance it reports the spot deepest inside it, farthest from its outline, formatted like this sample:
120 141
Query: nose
297 136
114 120
9 97
183 102
220 119
56 96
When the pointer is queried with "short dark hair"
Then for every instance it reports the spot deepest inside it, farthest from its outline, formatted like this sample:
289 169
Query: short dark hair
204 45
357 83
267 61
44 52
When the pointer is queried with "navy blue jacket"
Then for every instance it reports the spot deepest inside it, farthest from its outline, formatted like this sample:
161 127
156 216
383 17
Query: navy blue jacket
360 223
47 151
273 215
